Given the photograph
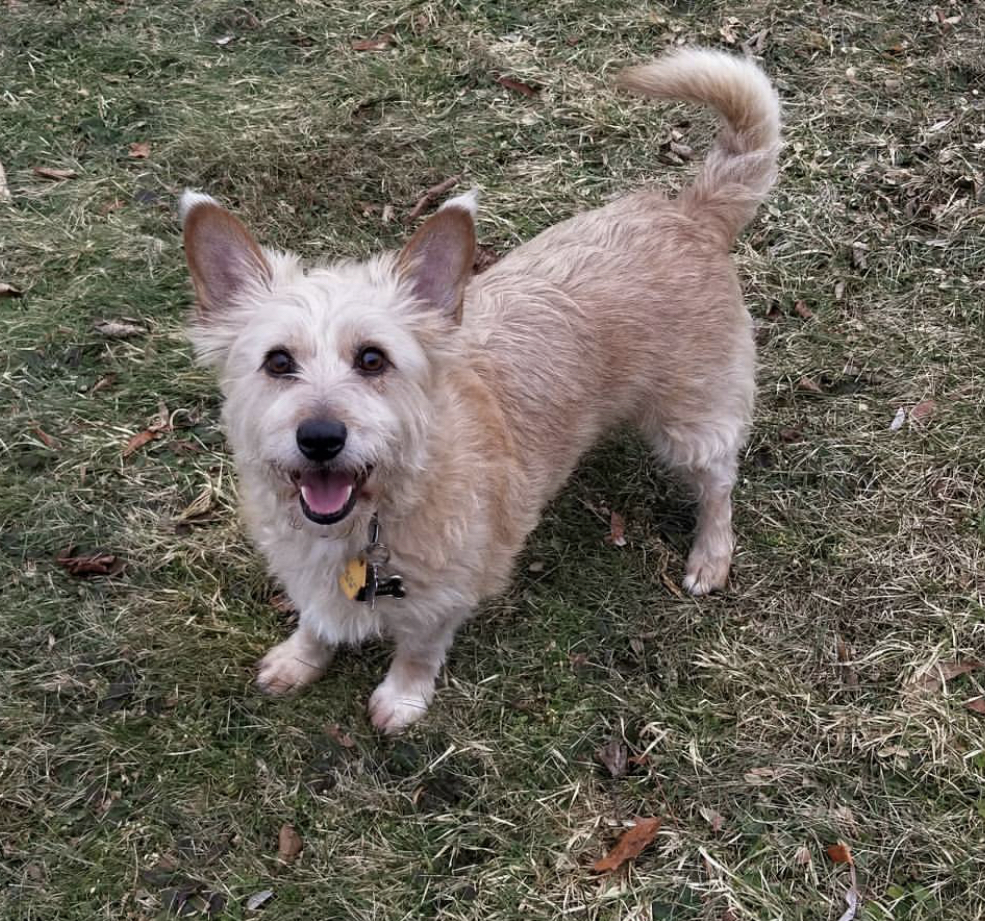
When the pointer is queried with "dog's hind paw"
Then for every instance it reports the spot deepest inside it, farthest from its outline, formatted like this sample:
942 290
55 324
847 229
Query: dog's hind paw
393 707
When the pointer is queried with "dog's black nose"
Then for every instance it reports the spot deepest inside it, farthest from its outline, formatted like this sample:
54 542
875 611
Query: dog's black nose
321 439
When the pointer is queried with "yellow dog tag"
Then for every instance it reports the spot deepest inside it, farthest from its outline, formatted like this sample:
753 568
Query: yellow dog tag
353 578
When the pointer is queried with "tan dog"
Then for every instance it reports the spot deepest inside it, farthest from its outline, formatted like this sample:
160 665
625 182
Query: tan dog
448 409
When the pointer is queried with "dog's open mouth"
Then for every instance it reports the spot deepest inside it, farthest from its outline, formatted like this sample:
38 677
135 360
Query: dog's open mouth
327 496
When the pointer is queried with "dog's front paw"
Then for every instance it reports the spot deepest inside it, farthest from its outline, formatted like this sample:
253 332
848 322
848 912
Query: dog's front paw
292 665
394 705
706 573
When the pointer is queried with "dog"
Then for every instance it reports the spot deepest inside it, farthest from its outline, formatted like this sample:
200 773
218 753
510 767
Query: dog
398 424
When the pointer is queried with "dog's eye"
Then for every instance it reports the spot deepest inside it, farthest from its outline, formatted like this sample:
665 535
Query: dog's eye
278 363
371 360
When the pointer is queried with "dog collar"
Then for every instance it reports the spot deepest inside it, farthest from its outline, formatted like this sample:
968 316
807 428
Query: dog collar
361 581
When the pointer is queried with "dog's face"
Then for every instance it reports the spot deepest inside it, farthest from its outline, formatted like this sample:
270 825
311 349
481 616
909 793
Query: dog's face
327 373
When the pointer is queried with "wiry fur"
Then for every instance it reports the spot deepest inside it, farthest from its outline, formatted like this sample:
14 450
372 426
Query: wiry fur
629 313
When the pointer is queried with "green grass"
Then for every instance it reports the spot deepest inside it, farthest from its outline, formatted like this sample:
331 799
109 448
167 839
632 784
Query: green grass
137 762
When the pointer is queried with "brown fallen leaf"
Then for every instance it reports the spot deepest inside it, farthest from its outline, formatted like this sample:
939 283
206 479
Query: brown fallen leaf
802 310
118 329
139 150
617 530
977 705
923 411
379 43
518 87
341 736
289 844
803 855
760 776
845 656
630 845
715 819
756 42
485 256
49 442
937 674
138 441
107 380
840 852
110 206
282 604
90 564
806 383
430 195
791 434
9 290
49 172
613 755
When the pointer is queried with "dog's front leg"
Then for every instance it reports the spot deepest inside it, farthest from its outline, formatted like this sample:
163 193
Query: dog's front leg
301 659
408 688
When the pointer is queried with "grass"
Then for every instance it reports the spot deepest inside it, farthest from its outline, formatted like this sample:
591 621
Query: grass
139 769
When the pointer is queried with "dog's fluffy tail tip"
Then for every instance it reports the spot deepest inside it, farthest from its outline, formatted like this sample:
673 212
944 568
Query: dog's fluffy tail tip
190 199
741 167
467 201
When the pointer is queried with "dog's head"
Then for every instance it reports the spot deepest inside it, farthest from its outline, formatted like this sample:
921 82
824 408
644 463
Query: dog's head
327 372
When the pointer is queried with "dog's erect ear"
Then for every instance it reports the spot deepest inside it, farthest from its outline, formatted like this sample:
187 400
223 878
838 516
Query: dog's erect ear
438 259
222 255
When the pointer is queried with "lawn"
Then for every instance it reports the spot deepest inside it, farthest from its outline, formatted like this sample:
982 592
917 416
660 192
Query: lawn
829 696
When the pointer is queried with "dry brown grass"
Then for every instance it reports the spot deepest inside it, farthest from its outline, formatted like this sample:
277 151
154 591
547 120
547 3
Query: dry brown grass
136 758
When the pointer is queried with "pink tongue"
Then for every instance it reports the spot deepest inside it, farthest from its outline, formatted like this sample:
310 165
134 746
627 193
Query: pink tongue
326 493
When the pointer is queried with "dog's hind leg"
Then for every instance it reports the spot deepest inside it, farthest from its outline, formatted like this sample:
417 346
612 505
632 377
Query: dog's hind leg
705 456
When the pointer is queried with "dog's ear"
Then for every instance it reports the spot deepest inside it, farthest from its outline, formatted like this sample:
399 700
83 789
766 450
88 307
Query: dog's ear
438 259
223 258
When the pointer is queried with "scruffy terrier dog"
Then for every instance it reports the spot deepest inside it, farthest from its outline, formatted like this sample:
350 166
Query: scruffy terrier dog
398 424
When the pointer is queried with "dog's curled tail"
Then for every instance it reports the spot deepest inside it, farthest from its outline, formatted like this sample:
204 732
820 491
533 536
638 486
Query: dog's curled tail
741 167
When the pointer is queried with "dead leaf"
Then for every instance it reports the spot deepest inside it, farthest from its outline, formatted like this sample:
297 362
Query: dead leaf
761 776
577 659
282 604
259 899
9 290
90 564
630 845
200 505
289 844
756 42
138 441
617 530
806 383
852 898
107 380
49 442
430 195
118 329
803 855
49 172
802 310
380 43
791 434
682 150
518 87
485 256
715 819
845 655
341 736
977 705
613 756
923 411
934 677
898 420
110 206
840 852
139 150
